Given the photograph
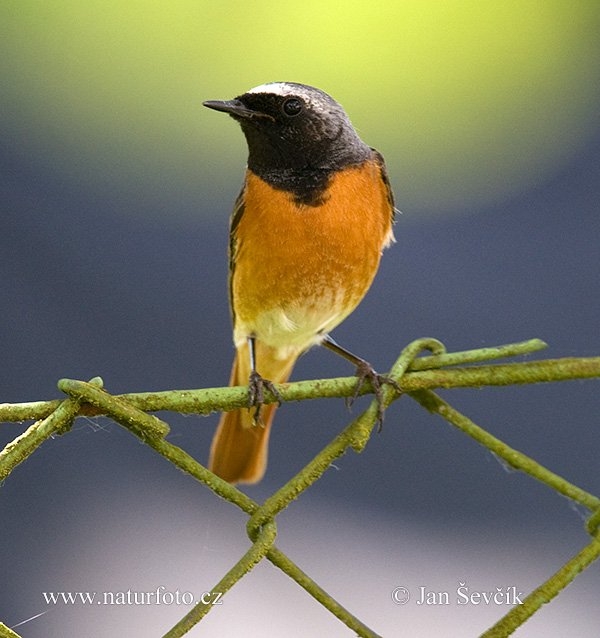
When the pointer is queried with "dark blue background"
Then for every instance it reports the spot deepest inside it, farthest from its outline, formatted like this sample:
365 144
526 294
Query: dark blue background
93 281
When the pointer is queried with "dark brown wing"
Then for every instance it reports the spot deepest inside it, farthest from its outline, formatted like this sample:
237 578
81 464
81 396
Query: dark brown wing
378 158
236 215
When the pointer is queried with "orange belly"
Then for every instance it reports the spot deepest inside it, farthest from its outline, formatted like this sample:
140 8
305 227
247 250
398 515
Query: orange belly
300 270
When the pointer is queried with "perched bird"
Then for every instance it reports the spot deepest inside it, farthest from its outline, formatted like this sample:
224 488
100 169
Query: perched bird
306 235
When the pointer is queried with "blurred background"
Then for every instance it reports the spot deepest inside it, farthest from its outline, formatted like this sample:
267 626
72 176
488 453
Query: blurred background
115 192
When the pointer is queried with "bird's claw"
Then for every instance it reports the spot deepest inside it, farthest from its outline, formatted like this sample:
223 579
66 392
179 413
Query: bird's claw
256 396
365 372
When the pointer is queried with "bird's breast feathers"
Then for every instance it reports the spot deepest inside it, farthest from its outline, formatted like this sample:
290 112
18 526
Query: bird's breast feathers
299 270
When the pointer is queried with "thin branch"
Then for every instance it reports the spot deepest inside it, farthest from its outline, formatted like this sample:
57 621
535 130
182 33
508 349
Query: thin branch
515 459
185 462
205 401
6 632
415 376
58 421
250 559
545 592
552 587
279 559
120 410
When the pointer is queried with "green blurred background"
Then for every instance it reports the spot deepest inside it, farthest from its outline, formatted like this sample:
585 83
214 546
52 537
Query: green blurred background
474 101
115 191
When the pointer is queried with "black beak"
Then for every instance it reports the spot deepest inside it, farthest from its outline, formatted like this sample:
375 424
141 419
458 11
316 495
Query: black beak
234 108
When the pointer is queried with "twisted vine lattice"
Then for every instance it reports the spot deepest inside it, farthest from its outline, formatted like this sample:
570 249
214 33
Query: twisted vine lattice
416 376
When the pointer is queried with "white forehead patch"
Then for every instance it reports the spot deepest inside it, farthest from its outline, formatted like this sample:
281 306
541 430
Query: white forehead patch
278 88
318 100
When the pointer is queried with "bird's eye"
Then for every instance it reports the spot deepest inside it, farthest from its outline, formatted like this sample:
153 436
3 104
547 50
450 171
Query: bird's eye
292 106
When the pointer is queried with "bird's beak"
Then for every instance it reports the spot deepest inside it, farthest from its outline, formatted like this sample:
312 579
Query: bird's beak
234 108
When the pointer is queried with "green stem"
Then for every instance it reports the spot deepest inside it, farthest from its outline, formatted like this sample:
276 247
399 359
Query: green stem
208 400
5 632
121 411
475 356
431 402
548 590
59 420
285 564
252 557
185 462
205 401
189 465
544 593
354 435
416 376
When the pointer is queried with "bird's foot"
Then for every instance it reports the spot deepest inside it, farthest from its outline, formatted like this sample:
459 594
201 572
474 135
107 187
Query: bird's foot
365 372
256 397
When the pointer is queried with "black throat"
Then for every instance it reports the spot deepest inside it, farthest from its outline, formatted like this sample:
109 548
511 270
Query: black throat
303 165
307 186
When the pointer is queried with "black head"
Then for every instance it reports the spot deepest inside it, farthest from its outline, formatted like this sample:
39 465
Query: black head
294 130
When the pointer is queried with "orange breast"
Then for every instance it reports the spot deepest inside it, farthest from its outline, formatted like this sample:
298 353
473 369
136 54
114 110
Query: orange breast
300 270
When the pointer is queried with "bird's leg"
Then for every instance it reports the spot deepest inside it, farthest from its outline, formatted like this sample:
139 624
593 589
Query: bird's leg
364 371
256 383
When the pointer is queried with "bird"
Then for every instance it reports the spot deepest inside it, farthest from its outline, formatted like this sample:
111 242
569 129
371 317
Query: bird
307 230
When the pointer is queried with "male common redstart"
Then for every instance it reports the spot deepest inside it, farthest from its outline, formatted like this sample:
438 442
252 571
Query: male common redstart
306 236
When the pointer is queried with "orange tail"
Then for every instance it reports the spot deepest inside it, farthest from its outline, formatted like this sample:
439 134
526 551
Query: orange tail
238 453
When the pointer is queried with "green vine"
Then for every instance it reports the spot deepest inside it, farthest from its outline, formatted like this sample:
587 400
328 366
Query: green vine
416 375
